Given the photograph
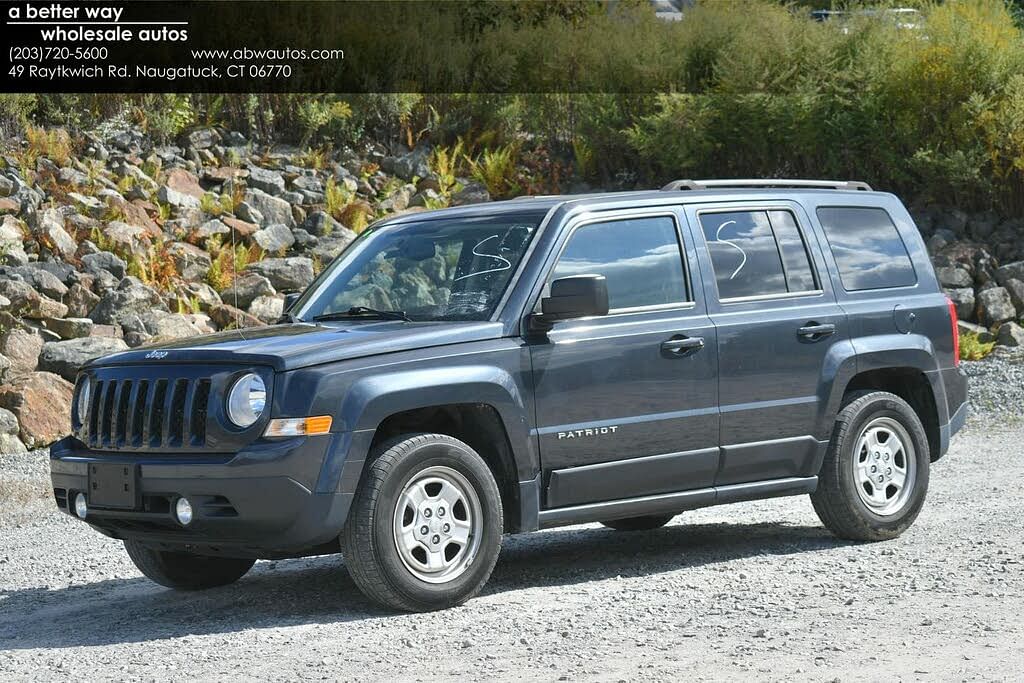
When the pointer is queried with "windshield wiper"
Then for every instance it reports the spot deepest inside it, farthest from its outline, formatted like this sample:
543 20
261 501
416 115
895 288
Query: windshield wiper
363 312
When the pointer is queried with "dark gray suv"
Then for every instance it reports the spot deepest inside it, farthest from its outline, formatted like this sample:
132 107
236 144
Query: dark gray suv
460 374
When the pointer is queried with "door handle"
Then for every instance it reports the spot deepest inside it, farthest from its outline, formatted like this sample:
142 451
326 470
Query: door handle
682 345
814 332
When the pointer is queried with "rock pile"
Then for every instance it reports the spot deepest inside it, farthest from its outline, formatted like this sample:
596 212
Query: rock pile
131 243
979 261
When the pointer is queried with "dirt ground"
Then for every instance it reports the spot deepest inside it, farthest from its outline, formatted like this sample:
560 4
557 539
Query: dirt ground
754 590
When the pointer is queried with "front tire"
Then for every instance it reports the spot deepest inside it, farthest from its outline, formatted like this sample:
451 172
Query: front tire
874 479
186 571
643 523
425 527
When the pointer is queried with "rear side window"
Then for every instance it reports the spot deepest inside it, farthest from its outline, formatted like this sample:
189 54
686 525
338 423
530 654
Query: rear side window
757 253
869 251
640 259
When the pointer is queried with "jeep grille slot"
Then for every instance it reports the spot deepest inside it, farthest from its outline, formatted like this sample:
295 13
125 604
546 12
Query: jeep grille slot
176 426
197 416
148 414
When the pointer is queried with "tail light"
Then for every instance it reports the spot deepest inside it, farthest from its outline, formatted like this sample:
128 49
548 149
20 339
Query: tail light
956 331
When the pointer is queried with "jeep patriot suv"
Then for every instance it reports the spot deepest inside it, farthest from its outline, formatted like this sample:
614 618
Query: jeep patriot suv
460 374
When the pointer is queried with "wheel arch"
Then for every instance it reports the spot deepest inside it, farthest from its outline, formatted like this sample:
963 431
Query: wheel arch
479 426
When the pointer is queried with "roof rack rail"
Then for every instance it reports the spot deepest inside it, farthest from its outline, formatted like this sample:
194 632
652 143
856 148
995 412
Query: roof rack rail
855 185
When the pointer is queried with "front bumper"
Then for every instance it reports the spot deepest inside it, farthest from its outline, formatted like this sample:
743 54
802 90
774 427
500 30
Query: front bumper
262 502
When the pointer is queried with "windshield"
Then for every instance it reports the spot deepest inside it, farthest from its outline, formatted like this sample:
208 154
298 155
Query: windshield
454 269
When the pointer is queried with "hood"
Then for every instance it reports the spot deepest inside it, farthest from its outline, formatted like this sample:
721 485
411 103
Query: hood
287 347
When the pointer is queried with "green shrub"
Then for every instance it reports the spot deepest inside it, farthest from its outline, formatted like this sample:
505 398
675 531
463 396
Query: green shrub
972 348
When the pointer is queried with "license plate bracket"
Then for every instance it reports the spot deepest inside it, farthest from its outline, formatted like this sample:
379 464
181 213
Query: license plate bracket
113 485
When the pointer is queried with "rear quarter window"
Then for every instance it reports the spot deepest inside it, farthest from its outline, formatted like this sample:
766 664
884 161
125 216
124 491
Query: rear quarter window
868 249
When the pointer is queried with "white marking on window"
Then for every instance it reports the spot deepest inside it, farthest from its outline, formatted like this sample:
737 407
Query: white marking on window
505 261
718 238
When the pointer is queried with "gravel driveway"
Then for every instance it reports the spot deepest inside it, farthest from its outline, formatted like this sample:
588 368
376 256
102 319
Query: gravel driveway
724 593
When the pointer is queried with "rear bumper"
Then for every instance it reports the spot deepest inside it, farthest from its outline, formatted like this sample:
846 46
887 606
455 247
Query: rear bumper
954 385
262 502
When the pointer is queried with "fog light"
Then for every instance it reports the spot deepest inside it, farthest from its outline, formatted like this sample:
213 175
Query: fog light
81 506
183 511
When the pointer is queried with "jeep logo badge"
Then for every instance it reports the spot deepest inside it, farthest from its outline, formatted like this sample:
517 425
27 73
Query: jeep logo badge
157 354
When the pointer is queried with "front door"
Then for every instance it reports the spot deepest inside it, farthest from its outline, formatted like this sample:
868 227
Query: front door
627 402
777 320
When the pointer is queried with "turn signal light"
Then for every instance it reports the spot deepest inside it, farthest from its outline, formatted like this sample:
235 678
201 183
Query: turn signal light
299 426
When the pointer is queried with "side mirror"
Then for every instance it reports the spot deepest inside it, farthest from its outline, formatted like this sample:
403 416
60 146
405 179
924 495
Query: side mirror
579 296
290 299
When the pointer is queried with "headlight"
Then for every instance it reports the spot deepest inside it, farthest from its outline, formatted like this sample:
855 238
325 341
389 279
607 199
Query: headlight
83 401
246 400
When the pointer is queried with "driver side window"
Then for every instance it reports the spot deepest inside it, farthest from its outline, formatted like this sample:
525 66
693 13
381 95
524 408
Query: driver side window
639 257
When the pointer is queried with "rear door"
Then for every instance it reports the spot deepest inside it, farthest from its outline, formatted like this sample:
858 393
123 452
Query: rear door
778 321
627 402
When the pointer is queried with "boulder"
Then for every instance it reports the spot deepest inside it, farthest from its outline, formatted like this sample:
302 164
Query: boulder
201 293
80 301
398 201
952 276
267 180
105 260
137 213
248 213
321 224
271 209
963 299
130 298
51 233
26 302
242 229
1010 334
211 228
70 328
1011 271
166 326
42 280
229 317
274 238
471 193
408 166
66 358
291 274
41 402
90 206
267 308
1015 288
9 441
995 306
328 248
12 242
130 238
178 200
246 287
5 368
180 180
200 138
191 262
21 348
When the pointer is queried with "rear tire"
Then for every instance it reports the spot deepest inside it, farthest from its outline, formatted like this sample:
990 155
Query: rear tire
425 527
186 571
874 478
643 523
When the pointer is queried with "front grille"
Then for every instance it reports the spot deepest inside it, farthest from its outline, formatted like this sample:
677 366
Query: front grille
147 414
